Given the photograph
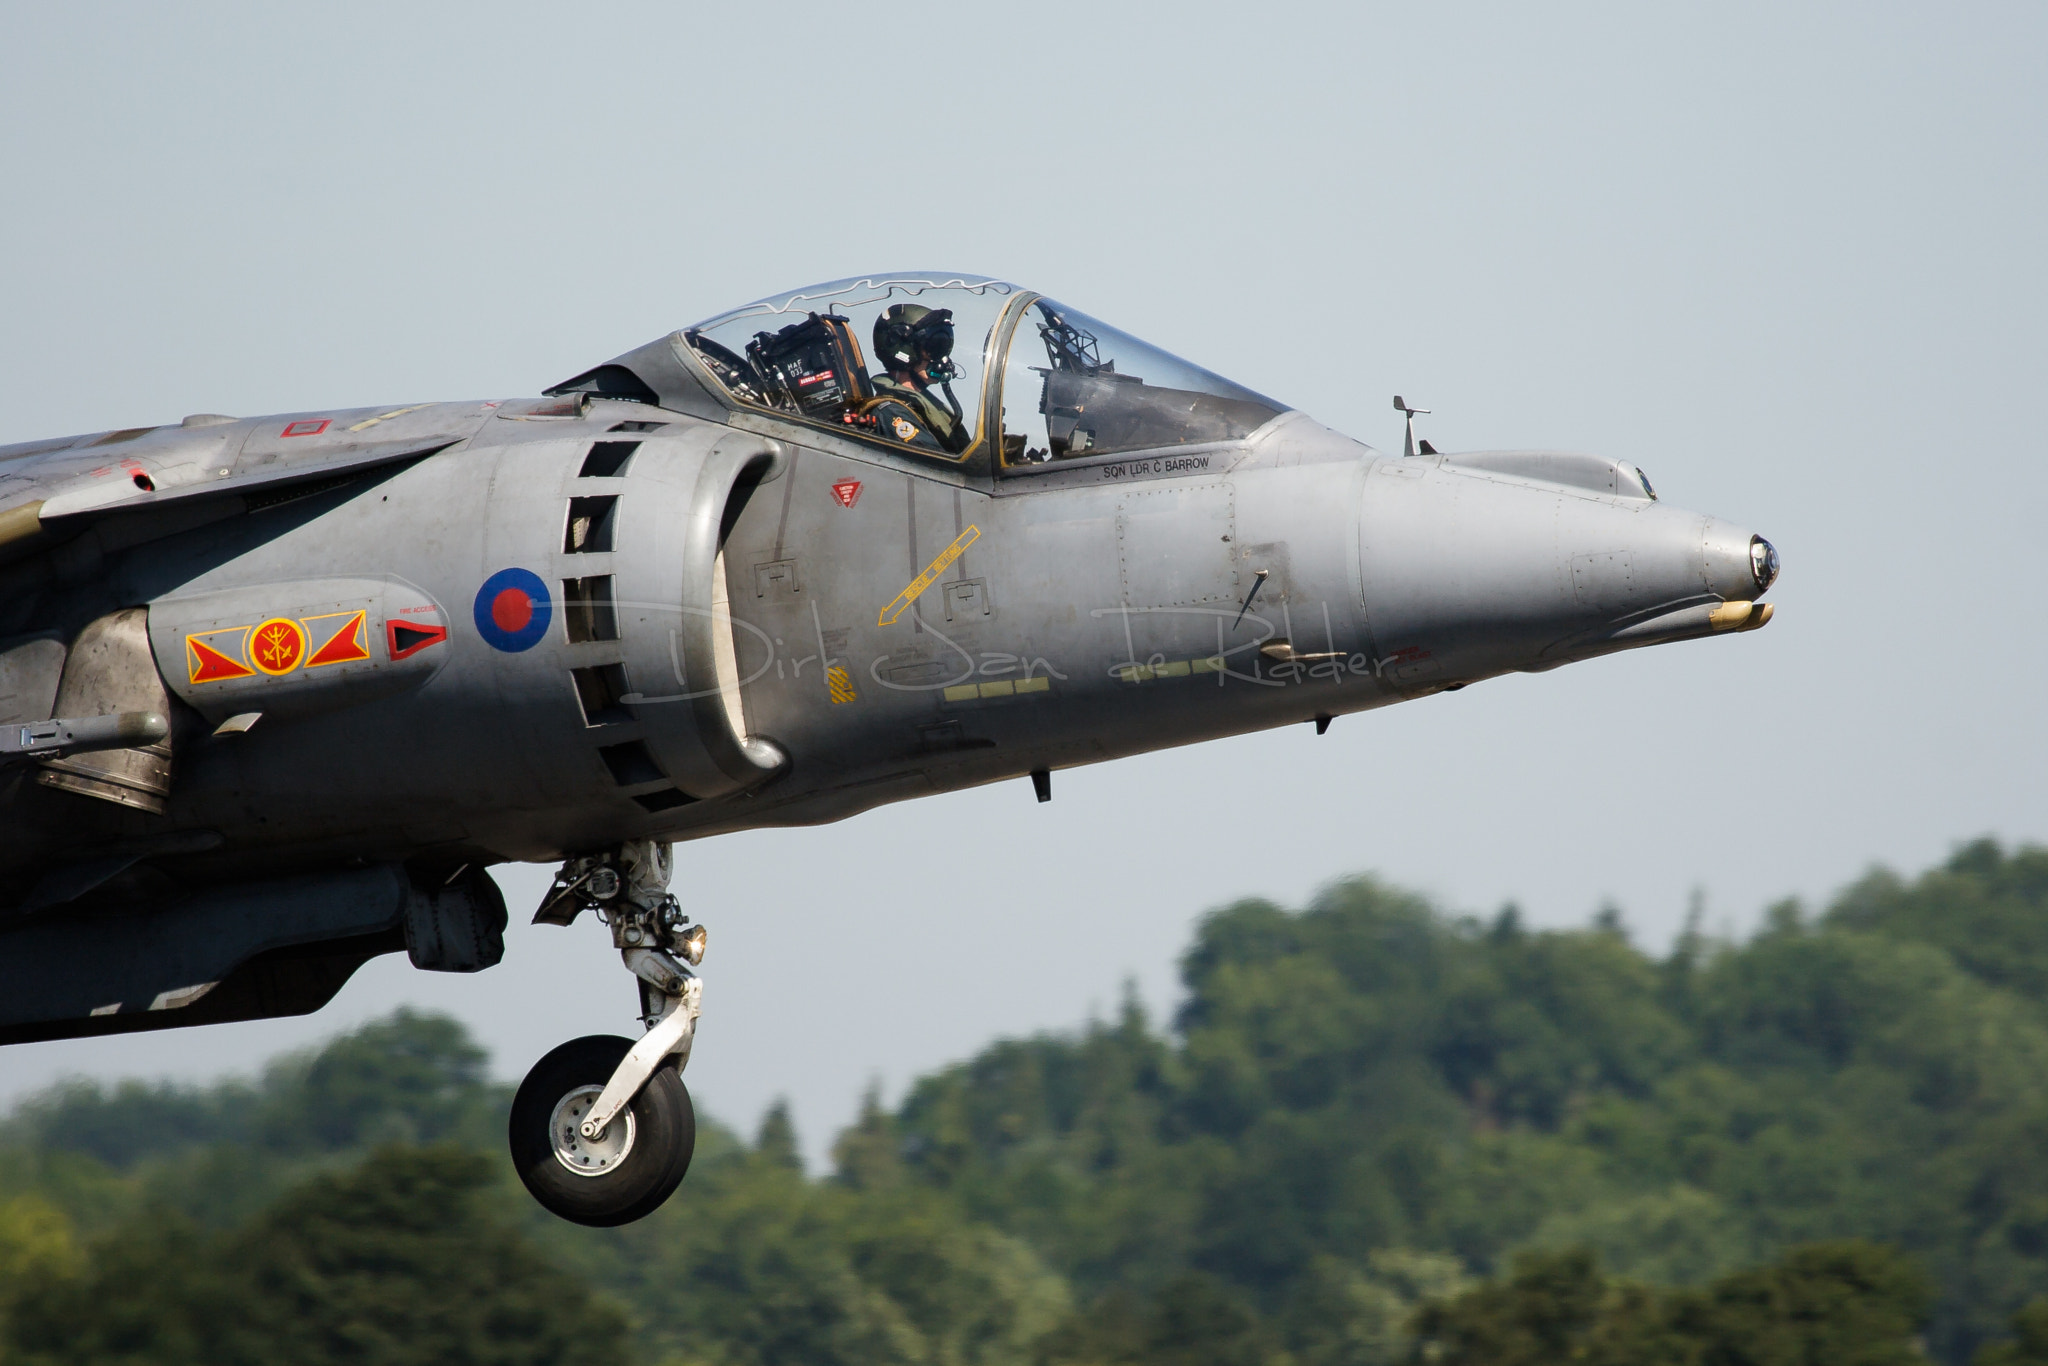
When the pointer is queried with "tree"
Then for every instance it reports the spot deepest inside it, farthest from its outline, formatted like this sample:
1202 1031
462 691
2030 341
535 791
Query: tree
1342 1314
1193 1320
776 1140
1831 1304
1543 1313
409 1077
37 1246
391 1263
1357 1081
1836 1304
783 1271
2029 1346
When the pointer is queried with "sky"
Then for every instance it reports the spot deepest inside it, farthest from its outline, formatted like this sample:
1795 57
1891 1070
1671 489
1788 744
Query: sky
1787 258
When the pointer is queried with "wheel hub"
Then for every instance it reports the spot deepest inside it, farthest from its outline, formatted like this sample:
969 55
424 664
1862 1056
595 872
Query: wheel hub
588 1156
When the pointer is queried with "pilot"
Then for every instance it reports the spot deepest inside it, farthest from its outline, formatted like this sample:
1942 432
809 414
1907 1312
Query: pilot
915 346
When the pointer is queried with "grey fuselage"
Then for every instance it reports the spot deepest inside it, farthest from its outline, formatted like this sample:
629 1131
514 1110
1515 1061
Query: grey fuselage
755 622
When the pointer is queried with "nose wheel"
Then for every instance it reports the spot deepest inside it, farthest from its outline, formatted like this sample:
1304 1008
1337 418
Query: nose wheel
589 1156
602 1129
631 1166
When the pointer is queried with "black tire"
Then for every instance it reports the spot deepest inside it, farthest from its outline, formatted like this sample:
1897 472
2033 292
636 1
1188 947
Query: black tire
662 1127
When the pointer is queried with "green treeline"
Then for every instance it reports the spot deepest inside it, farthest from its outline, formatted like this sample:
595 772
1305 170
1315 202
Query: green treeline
1374 1133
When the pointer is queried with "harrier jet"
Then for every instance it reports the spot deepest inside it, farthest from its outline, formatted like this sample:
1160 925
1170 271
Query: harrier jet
276 692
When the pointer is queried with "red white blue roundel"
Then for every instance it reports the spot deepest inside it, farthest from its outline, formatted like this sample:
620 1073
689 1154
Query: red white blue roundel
512 610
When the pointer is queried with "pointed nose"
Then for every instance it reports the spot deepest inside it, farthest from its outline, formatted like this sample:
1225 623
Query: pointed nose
1478 573
1738 565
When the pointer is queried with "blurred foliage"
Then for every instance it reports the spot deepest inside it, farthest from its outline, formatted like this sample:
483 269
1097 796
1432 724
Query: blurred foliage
409 1078
1845 1304
392 1263
2029 1344
1373 1134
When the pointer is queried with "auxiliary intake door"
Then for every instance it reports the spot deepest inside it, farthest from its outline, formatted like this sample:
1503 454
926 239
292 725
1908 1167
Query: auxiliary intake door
674 619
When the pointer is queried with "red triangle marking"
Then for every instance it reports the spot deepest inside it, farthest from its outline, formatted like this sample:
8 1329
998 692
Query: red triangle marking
346 646
210 665
847 491
402 638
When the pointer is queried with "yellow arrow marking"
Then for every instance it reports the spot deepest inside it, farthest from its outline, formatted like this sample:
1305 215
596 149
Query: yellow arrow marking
386 417
896 609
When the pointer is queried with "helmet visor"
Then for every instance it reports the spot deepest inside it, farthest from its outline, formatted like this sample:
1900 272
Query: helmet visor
933 334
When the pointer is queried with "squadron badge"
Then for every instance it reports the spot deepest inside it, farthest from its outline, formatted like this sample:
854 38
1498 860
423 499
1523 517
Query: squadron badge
277 645
906 430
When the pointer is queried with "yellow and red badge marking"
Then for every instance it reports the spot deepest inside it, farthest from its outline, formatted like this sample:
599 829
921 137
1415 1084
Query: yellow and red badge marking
283 645
216 656
349 643
276 646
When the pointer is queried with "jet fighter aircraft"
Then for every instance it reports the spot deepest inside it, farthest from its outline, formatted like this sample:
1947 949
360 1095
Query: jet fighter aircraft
275 692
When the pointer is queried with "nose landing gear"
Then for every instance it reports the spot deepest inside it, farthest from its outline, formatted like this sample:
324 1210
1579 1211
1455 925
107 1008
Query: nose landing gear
602 1129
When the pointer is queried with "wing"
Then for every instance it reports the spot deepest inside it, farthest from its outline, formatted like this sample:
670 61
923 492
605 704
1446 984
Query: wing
50 489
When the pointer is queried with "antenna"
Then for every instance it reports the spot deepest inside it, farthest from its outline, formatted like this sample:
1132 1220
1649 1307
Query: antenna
1401 406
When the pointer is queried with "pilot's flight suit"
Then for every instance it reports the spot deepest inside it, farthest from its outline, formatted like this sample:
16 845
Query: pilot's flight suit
911 415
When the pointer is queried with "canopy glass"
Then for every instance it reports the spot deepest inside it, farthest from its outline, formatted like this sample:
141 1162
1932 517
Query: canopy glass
940 363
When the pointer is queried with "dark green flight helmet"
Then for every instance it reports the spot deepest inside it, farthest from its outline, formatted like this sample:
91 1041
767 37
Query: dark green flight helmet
909 334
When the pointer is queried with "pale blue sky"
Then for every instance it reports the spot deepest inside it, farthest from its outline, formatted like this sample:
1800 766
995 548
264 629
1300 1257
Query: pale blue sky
1788 258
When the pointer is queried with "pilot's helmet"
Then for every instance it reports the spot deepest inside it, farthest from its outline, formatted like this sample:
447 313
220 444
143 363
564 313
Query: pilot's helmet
909 334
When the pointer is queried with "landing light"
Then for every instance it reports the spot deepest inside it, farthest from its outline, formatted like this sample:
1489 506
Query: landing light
691 945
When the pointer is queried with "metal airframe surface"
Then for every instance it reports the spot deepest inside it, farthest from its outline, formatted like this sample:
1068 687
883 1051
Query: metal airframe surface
803 623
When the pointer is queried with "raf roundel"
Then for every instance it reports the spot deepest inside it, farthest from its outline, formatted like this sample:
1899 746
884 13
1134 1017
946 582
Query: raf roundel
512 610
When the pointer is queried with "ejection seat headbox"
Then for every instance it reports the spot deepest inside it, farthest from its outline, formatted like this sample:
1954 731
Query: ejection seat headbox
800 354
813 367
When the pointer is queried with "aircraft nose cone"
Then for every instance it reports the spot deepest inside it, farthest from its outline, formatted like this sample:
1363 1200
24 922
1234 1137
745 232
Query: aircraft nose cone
1763 563
1739 566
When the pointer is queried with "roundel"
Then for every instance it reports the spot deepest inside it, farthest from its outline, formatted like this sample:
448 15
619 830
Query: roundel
512 610
276 646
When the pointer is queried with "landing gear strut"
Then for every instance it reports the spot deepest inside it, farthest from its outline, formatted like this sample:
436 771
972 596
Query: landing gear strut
602 1129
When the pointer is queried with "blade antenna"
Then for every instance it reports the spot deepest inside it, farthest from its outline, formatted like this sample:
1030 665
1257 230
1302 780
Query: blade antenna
1257 583
1401 406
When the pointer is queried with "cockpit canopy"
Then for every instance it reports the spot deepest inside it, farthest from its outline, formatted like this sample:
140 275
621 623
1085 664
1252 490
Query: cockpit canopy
943 364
